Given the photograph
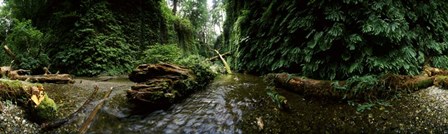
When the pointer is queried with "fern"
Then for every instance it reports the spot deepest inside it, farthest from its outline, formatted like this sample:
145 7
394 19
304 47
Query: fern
337 39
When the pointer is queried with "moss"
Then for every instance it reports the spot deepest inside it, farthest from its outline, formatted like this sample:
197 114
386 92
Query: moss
11 84
46 110
427 83
441 81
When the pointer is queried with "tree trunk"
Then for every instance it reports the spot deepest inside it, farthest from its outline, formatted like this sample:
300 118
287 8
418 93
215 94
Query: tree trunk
92 115
175 2
216 57
386 86
58 123
160 85
229 71
49 78
10 53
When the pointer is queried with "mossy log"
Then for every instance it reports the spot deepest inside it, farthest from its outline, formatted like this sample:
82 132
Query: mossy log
146 72
47 126
160 85
384 86
31 96
92 115
22 75
216 57
49 78
432 71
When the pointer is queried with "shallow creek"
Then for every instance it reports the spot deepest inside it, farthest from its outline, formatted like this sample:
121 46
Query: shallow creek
239 104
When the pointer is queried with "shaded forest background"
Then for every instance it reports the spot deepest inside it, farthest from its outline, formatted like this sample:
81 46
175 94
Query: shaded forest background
325 39
318 39
93 37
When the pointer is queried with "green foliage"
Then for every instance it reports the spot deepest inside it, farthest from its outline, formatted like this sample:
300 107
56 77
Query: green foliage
277 98
87 37
180 30
29 45
358 85
337 39
46 110
185 36
196 12
98 46
162 53
173 54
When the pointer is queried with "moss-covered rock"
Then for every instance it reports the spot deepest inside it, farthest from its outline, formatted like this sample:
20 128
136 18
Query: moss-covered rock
22 92
46 110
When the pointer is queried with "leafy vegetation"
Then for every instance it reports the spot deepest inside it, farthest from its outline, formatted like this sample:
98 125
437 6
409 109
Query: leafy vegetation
30 42
90 37
161 53
337 39
98 44
173 54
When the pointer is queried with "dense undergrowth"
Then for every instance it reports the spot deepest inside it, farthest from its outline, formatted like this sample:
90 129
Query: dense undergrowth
90 37
173 54
337 39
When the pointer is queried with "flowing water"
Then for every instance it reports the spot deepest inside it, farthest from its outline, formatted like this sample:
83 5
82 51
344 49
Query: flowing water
239 104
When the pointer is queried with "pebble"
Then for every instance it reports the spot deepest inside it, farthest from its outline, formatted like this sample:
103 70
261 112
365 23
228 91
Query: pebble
12 121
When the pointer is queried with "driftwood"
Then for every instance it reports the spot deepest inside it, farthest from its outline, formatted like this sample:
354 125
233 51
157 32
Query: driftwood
9 52
22 75
4 71
60 122
216 57
160 85
92 115
432 71
147 72
229 71
50 78
389 84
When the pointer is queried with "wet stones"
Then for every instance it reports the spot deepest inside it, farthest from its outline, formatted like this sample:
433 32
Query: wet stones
12 121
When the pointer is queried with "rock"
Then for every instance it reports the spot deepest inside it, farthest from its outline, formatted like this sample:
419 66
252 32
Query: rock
16 91
46 110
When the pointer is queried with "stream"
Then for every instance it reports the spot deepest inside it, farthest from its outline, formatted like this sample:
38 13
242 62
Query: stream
239 104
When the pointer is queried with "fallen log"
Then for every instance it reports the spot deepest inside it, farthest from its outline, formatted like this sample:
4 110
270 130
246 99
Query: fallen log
30 96
229 71
9 52
60 122
216 57
432 71
49 78
92 115
363 89
146 72
160 85
4 71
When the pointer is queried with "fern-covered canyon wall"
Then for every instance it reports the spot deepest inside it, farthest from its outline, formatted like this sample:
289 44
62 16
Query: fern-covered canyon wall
337 39
88 37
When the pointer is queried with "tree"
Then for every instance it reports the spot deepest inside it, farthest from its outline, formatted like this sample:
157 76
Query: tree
175 3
